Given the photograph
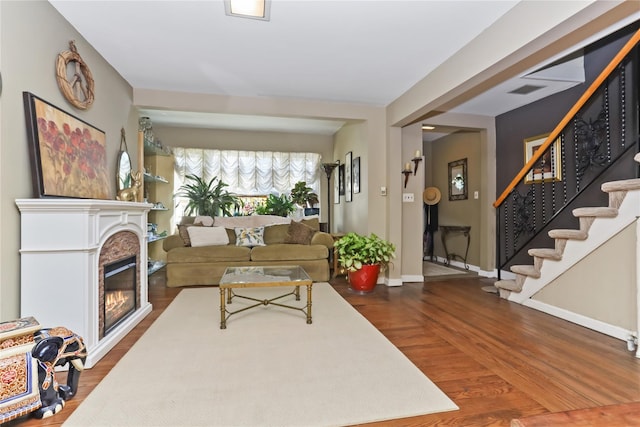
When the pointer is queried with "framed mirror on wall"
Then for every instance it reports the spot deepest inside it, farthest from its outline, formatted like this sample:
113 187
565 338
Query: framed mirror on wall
123 171
458 184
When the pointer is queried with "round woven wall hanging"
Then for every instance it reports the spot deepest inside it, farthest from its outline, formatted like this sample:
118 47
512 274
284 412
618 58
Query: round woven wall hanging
76 82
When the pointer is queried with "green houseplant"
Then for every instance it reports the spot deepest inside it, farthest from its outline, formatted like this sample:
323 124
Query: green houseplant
303 195
364 257
276 205
207 198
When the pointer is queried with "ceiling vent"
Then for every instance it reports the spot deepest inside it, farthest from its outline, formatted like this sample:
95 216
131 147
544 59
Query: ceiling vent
526 89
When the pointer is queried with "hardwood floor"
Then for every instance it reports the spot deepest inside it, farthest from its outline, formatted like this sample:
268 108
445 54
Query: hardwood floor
496 360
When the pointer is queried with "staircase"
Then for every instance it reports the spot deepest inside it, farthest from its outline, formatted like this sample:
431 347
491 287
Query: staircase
593 149
597 226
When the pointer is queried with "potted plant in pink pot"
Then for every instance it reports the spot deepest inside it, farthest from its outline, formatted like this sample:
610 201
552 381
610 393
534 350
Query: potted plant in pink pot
364 257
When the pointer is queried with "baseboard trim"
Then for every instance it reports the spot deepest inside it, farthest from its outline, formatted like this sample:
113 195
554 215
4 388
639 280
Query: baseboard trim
474 268
412 278
393 282
593 324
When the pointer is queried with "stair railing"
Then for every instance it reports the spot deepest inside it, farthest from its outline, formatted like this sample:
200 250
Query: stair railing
573 159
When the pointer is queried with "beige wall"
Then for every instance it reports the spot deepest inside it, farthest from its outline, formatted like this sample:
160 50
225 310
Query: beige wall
412 212
364 135
31 36
253 141
351 216
605 294
454 147
485 184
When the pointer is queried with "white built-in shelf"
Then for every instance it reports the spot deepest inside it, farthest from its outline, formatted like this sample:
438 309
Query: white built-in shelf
151 148
155 238
152 178
155 266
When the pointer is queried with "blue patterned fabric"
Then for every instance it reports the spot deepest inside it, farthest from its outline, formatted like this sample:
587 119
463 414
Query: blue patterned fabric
250 236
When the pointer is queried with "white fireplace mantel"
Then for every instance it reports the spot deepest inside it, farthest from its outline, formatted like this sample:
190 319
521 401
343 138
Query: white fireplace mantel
60 246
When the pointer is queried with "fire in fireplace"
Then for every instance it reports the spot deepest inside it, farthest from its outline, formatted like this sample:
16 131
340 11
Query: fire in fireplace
119 292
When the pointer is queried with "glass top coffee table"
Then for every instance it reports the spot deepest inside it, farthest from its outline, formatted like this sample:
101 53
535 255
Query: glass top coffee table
263 277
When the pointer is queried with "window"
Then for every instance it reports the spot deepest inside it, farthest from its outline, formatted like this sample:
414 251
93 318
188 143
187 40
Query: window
250 174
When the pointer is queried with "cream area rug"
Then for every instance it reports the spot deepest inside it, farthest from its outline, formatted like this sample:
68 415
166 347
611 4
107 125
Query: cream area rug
268 368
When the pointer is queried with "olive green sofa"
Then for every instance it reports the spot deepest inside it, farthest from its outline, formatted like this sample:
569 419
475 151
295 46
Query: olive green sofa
204 265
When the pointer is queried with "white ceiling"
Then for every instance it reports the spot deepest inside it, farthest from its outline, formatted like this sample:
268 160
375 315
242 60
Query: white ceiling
357 51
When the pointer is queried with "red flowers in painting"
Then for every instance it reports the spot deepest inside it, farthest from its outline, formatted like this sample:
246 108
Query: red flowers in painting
74 154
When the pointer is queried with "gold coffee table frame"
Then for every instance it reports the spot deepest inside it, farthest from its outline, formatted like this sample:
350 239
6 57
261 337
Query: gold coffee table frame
263 277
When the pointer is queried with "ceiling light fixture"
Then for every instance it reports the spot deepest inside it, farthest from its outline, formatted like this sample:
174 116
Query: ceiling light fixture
428 127
253 9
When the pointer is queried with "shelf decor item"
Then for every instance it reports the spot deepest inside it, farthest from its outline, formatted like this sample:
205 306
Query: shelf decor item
364 257
76 86
68 155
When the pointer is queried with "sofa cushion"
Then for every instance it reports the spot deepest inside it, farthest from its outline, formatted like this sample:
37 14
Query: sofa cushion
275 233
209 254
208 236
313 222
299 233
249 236
231 233
289 252
249 221
183 231
205 221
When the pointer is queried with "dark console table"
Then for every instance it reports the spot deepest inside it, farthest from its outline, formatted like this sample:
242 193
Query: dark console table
445 231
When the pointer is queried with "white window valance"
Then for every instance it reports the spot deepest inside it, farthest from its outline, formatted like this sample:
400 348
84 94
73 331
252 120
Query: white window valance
247 173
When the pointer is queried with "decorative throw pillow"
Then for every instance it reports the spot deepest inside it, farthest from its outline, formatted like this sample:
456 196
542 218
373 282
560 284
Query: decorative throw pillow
250 236
184 233
208 236
205 221
299 233
312 222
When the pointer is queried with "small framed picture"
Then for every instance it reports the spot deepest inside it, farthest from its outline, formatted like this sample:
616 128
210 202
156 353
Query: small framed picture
356 175
547 168
348 194
336 185
341 179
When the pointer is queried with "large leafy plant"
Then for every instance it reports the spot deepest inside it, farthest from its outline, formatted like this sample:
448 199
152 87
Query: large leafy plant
303 195
276 205
207 198
355 250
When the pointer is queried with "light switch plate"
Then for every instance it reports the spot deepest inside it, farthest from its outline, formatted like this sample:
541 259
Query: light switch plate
383 191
